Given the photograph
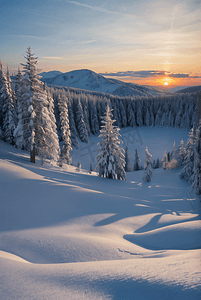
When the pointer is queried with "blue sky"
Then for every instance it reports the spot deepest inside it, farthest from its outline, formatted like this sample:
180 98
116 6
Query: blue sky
104 36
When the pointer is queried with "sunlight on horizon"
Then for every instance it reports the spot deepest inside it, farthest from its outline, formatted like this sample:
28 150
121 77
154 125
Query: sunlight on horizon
129 36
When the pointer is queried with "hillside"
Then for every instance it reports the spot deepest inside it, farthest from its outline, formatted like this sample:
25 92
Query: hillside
191 89
89 80
68 234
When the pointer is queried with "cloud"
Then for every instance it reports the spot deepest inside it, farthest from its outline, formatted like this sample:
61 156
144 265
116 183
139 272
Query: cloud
179 75
99 8
149 73
142 74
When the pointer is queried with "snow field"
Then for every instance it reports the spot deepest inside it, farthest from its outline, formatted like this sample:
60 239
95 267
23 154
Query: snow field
66 234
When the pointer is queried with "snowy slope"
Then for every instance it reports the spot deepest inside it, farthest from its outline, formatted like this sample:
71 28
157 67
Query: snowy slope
89 80
66 234
50 74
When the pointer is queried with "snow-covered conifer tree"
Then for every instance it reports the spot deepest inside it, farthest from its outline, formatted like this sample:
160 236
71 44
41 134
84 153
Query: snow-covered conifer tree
7 119
173 152
182 151
151 118
35 123
73 130
139 115
53 139
157 164
165 160
65 132
17 94
127 161
86 118
147 166
196 177
130 116
158 117
110 158
188 164
136 161
81 127
123 114
147 118
93 117
163 120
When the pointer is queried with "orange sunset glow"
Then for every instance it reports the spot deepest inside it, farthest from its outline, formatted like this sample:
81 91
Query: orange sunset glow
153 43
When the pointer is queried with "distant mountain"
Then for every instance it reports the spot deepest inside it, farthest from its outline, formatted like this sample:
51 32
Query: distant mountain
176 89
191 89
50 74
91 81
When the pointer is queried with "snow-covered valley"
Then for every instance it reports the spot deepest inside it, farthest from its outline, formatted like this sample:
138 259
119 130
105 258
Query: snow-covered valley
69 234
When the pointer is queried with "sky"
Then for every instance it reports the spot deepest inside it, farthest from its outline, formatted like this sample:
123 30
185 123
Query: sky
153 43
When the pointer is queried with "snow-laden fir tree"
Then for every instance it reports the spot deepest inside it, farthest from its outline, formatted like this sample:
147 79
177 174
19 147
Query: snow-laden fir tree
188 164
65 132
158 117
122 114
196 176
73 130
136 161
1 99
54 136
127 161
174 150
81 127
17 94
139 115
182 151
147 166
147 118
7 112
165 160
130 116
34 122
93 117
18 133
86 118
110 158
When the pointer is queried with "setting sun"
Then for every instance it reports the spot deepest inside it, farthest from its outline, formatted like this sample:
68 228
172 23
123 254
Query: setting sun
166 83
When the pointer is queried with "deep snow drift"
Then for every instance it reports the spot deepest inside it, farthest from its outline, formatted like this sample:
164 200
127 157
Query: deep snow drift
68 234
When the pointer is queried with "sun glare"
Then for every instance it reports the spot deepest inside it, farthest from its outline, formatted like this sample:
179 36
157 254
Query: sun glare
166 83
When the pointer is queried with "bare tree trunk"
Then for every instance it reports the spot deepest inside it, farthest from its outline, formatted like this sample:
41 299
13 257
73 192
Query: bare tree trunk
32 156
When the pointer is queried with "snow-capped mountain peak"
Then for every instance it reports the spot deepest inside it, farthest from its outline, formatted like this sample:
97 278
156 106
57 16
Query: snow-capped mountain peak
88 80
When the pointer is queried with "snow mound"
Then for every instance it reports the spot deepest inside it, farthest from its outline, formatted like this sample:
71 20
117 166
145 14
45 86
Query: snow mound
11 256
183 236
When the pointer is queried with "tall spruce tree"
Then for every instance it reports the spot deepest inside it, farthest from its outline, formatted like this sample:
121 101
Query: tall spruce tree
188 164
7 111
196 176
34 123
147 166
65 132
110 158
73 130
136 161
127 161
81 127
165 160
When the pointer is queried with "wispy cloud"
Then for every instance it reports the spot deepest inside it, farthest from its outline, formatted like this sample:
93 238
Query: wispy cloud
100 8
178 75
149 73
142 74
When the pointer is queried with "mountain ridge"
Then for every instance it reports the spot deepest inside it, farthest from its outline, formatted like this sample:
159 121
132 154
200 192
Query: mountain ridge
88 80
